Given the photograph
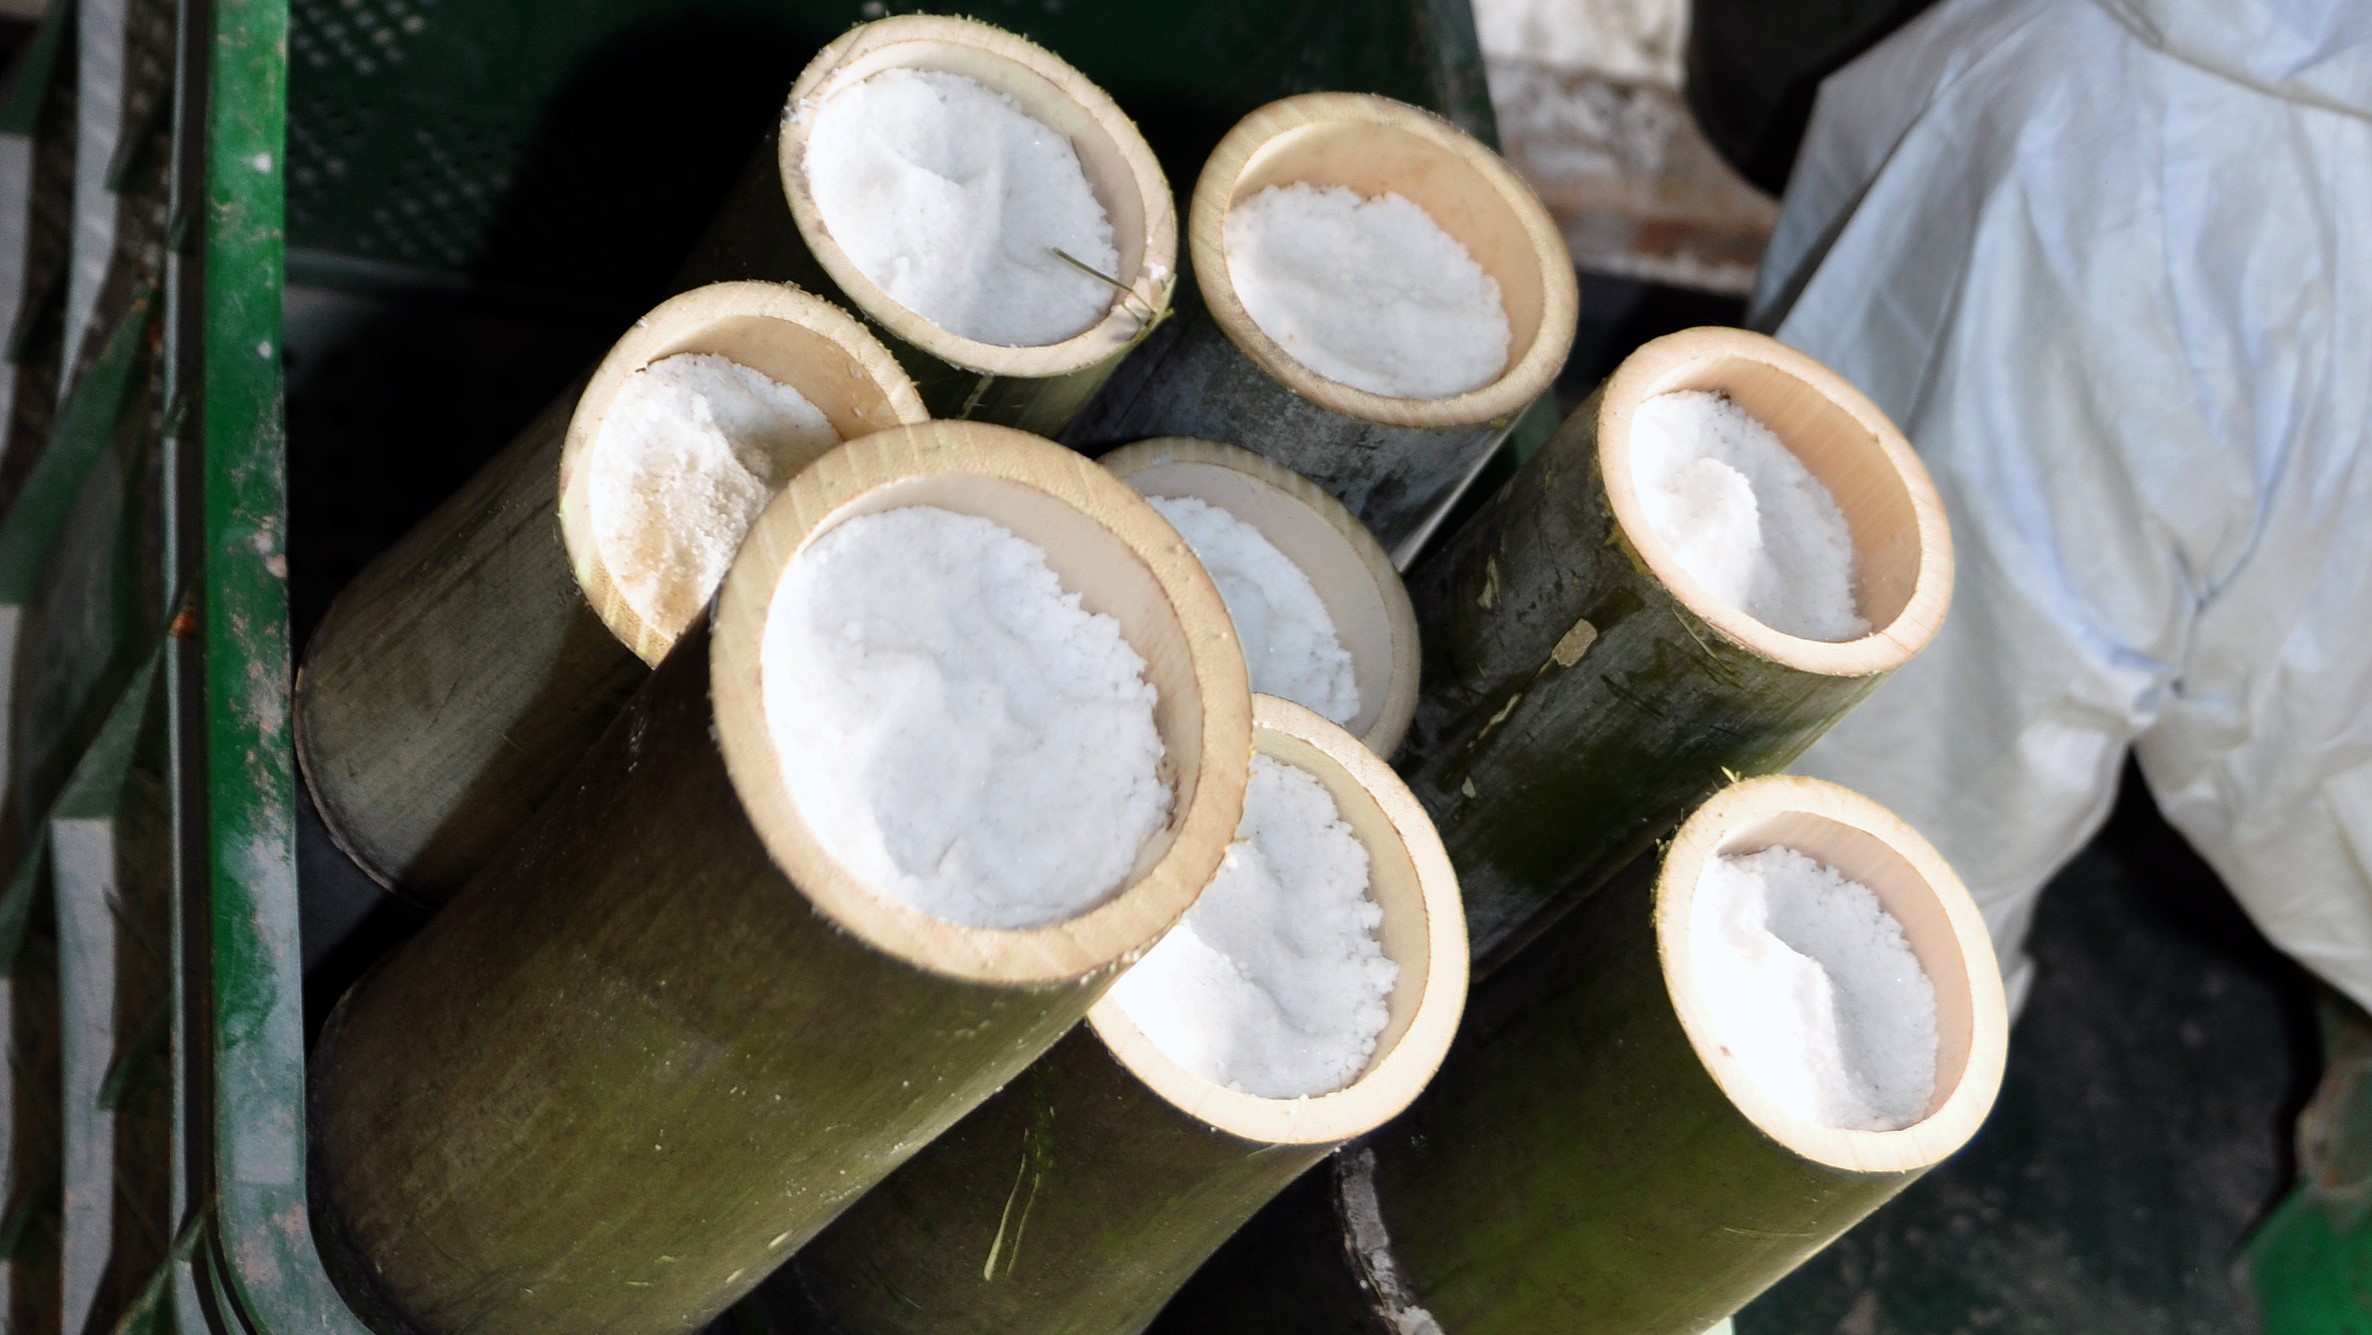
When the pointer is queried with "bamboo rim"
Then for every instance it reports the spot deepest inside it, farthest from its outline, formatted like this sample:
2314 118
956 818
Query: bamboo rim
1354 577
794 337
1871 845
1107 545
1424 931
1120 169
1374 145
1901 540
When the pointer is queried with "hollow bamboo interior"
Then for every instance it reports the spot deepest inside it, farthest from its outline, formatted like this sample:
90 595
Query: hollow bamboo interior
1582 694
1120 170
1870 845
1374 145
658 1047
459 677
1086 1192
1106 544
1396 463
1423 932
787 335
1902 554
1353 576
1631 1178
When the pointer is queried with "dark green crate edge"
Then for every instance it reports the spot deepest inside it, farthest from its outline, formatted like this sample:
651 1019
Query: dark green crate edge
263 1236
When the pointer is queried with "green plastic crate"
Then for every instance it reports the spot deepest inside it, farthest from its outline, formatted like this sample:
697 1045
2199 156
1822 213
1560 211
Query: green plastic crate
187 158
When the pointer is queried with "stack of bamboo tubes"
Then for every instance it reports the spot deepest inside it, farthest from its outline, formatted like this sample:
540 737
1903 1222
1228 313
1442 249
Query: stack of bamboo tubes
657 1040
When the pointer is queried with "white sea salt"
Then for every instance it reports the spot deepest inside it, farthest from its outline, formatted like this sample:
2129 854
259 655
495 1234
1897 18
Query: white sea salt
1743 516
1274 983
1810 982
692 447
1370 292
953 199
1288 637
954 727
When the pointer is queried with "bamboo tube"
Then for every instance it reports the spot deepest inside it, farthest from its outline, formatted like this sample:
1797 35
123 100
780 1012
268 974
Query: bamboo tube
1593 1158
1582 693
457 680
1080 1198
1354 578
770 226
648 1055
1396 462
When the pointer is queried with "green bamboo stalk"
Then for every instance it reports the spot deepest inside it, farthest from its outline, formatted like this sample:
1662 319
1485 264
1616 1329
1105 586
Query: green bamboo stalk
1080 1198
643 1059
1600 1162
457 680
770 226
1211 373
1582 693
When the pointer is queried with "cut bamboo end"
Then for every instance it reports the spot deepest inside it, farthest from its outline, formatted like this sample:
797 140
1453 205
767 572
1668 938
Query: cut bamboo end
1352 573
790 336
1108 545
1869 844
1901 541
1374 145
1120 169
1423 931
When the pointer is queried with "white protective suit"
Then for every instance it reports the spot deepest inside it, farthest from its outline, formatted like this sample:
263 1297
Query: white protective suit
2109 265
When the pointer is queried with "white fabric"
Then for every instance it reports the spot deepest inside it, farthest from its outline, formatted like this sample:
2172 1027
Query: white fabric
2109 265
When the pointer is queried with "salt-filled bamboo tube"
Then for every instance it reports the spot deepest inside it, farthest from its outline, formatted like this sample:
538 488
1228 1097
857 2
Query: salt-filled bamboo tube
1595 1158
771 227
1582 693
1212 373
669 1037
1353 576
1079 1199
460 676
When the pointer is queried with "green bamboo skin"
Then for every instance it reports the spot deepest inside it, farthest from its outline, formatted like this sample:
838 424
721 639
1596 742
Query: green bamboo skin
1585 1163
1074 1203
586 1097
457 680
1354 578
1580 695
1079 1199
1397 463
643 1059
1194 381
461 672
1629 1111
769 226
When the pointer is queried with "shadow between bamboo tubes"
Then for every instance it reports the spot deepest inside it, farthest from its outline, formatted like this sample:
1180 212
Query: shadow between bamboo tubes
1079 1199
1582 693
1352 574
643 1059
462 674
770 226
1396 462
